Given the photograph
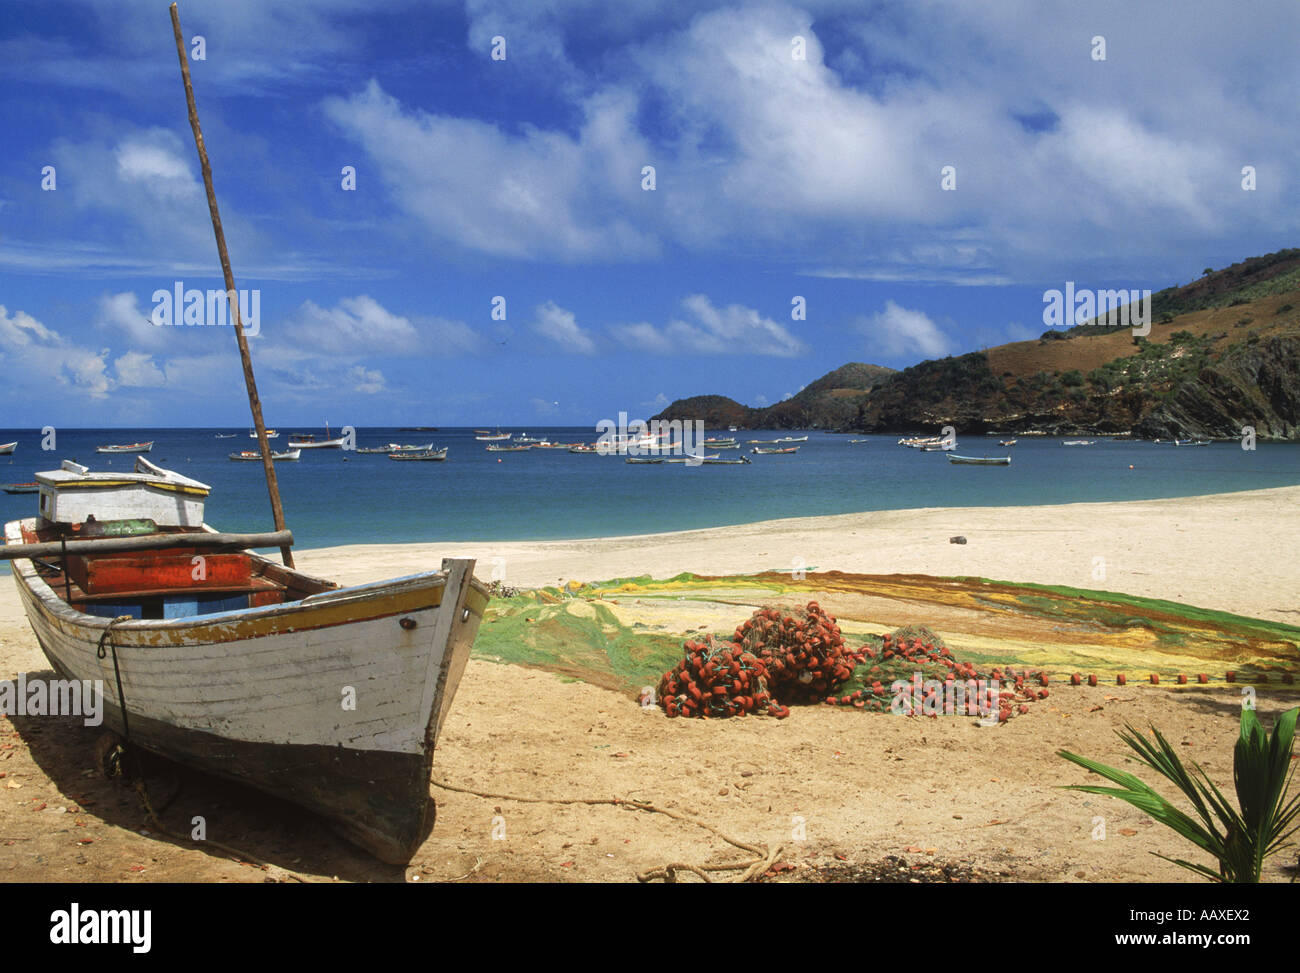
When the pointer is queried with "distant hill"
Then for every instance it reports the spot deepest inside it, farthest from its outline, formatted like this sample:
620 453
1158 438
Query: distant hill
1223 352
833 401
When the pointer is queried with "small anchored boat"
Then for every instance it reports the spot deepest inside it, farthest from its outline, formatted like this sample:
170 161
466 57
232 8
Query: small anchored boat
740 461
253 456
425 455
127 448
7 448
311 442
394 448
979 460
775 451
20 487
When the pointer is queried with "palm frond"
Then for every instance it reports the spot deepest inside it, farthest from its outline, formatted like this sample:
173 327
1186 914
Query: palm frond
1240 840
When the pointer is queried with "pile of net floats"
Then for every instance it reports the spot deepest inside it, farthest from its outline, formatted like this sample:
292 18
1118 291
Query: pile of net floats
782 657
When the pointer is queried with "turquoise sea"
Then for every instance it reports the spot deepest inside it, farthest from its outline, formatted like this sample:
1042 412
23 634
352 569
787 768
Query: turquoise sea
335 497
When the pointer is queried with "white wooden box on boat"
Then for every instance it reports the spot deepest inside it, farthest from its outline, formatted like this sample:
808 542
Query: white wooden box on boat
72 494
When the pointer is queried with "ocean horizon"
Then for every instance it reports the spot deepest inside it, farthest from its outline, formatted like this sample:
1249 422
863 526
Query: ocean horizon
335 497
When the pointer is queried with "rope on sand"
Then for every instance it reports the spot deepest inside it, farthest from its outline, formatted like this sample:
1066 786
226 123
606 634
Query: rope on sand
750 869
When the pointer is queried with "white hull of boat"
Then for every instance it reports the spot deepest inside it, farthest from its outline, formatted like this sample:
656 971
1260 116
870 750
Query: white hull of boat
289 456
257 694
323 444
131 448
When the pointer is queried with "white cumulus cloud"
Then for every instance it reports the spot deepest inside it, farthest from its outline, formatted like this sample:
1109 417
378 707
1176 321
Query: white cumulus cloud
898 331
706 329
561 326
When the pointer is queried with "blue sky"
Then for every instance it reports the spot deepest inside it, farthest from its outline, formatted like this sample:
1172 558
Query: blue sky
522 178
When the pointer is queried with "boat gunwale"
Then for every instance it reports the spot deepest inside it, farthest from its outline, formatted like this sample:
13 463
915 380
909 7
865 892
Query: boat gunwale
368 592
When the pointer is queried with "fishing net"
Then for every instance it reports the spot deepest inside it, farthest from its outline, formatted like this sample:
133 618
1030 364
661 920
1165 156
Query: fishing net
717 679
803 649
780 657
938 683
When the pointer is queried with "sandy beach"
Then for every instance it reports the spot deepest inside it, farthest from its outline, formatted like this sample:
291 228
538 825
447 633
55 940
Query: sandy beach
822 784
1232 552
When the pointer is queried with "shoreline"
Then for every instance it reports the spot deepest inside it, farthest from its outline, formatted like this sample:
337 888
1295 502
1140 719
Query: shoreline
1205 550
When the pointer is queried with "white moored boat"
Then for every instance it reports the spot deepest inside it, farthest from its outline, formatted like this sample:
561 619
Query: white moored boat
253 456
7 448
127 448
241 673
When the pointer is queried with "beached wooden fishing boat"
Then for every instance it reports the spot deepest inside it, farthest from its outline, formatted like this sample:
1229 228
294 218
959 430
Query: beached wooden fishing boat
979 460
331 698
126 448
21 487
8 448
247 673
252 456
425 455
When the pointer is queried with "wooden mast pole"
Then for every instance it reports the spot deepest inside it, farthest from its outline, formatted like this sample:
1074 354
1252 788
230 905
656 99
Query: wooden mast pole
254 403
